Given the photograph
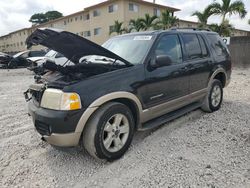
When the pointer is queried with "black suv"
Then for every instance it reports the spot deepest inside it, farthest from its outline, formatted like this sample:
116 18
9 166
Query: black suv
132 82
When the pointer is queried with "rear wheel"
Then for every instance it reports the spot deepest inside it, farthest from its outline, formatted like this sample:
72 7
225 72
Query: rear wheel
109 132
214 97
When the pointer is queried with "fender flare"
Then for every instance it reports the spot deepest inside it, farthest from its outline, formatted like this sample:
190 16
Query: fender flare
216 72
104 99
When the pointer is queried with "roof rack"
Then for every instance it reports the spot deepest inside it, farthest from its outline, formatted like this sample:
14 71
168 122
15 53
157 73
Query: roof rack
189 28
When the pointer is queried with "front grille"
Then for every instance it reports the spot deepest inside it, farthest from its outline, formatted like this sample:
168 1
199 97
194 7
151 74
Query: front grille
43 128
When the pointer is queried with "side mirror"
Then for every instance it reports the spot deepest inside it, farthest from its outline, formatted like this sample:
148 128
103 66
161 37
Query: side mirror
161 61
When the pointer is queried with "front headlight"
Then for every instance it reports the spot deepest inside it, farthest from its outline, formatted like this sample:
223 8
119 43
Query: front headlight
58 100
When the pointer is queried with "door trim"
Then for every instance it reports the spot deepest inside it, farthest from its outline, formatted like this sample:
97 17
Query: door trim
169 106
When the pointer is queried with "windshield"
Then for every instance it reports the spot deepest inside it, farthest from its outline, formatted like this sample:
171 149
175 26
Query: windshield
131 48
51 53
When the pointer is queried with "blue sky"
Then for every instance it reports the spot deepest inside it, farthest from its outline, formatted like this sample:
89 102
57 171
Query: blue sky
15 15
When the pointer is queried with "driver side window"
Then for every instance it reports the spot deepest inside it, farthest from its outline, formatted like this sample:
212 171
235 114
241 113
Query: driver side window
170 45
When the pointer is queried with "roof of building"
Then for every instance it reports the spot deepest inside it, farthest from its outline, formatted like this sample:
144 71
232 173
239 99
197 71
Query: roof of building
136 1
107 2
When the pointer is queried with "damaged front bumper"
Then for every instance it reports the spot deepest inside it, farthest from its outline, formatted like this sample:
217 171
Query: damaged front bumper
56 127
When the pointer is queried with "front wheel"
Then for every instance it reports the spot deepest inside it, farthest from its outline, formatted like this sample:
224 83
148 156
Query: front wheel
12 64
214 97
109 132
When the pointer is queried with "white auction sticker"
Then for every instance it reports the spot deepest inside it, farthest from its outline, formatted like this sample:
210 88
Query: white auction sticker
143 37
226 40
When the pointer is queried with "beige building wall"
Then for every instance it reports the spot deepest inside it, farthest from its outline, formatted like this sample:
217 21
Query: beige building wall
95 28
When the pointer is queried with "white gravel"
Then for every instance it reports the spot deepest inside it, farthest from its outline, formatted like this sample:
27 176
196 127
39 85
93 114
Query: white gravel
196 150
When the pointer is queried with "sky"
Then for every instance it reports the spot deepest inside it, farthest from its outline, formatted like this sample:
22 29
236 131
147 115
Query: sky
14 14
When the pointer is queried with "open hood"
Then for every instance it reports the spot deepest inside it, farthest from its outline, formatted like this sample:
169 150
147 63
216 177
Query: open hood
70 45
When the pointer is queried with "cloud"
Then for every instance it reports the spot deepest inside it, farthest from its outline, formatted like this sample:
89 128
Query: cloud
15 15
189 6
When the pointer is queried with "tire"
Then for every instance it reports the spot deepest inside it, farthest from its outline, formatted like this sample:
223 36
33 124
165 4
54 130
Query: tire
214 98
12 65
104 137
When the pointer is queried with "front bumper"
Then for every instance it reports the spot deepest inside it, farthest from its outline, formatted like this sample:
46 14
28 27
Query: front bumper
64 140
56 127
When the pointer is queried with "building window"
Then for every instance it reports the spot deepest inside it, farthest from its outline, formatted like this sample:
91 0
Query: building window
157 12
21 43
76 18
86 34
133 7
96 13
113 8
71 20
65 23
111 28
97 31
86 17
81 17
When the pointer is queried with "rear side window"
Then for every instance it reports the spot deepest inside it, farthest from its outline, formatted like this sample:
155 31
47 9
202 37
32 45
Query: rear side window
192 46
218 45
170 45
203 47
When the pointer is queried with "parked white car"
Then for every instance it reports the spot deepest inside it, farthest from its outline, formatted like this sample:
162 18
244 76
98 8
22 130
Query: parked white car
54 56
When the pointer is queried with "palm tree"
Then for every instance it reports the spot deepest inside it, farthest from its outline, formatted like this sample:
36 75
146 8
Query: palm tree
135 24
203 16
127 29
224 29
228 7
117 28
167 20
148 22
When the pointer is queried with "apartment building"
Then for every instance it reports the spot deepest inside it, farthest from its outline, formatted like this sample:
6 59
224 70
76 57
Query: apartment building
94 22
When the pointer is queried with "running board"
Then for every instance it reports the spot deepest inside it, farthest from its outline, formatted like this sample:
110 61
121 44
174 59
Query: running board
169 116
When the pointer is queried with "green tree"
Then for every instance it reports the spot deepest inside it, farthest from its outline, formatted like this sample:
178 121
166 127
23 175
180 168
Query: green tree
148 22
228 7
127 30
167 20
249 21
135 24
117 28
40 18
52 15
203 16
225 29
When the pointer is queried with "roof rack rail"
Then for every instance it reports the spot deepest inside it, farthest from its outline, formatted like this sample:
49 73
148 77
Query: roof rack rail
189 28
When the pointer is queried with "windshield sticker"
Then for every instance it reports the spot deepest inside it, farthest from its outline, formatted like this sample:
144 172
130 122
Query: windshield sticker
145 37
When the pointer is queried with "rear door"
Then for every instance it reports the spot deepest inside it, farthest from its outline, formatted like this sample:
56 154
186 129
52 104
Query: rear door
198 59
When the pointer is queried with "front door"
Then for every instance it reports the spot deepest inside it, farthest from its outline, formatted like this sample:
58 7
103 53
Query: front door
165 84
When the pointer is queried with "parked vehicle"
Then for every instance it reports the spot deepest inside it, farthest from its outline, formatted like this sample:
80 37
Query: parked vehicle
133 82
4 59
21 59
53 56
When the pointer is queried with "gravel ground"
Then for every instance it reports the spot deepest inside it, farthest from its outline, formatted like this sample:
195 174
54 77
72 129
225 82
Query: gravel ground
196 150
